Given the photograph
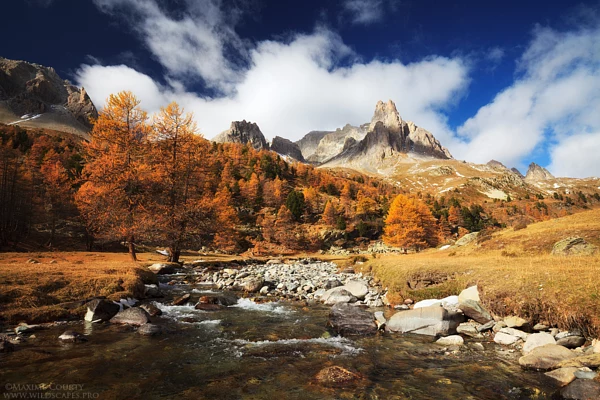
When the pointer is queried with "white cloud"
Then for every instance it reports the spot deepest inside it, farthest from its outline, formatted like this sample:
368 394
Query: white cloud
495 55
577 155
556 96
364 12
191 45
294 87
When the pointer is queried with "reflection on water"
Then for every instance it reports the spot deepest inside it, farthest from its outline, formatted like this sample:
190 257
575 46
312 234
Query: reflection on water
262 351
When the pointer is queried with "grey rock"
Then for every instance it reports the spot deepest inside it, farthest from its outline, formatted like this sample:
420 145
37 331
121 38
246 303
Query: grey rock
253 285
475 311
452 340
101 310
243 132
338 295
516 322
433 321
573 246
470 293
131 316
537 340
468 238
571 342
486 327
164 268
152 291
73 337
505 339
151 309
546 357
585 373
469 329
581 389
346 319
536 173
285 147
359 289
562 376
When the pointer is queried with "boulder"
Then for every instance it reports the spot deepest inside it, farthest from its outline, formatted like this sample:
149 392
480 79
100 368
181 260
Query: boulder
452 340
571 342
164 268
131 316
24 328
468 238
433 321
469 329
585 373
101 310
181 300
537 340
332 283
72 337
151 309
337 295
470 293
150 330
581 389
427 303
359 289
573 246
253 285
517 322
562 376
588 360
546 357
515 332
380 319
346 320
474 310
505 339
152 291
336 376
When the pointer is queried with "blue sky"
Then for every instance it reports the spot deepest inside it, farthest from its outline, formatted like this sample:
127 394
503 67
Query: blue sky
517 81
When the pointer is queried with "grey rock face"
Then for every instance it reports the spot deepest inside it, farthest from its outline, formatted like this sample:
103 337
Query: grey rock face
309 143
433 321
474 310
346 320
545 357
537 173
243 132
286 147
31 89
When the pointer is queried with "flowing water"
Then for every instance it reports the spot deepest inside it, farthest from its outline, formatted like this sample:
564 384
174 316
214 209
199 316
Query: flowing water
256 351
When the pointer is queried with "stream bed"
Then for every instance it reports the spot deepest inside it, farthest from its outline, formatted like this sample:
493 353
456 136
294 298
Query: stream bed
256 351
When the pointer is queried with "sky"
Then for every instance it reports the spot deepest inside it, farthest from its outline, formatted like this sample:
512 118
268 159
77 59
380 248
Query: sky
514 81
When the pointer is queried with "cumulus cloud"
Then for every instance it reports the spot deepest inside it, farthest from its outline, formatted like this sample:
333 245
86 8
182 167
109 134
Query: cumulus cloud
577 156
553 102
294 87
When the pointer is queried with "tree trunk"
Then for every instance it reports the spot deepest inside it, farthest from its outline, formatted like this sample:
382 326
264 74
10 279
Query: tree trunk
174 254
132 253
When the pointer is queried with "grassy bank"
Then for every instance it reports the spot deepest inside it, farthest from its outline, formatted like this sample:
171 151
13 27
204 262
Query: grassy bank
515 273
53 287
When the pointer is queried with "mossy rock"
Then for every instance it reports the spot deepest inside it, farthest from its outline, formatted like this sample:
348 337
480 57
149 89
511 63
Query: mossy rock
573 246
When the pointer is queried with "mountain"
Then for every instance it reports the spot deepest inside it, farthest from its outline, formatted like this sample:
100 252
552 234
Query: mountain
388 141
536 173
34 96
285 147
334 142
243 132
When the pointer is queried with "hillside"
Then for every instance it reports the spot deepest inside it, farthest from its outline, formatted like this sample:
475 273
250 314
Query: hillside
514 271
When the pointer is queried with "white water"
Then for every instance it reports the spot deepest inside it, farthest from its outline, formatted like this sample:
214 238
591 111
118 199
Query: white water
274 308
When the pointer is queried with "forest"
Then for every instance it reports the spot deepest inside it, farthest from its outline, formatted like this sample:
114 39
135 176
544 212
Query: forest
156 182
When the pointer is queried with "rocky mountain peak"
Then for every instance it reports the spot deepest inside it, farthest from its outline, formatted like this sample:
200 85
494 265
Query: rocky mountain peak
34 95
538 173
388 115
496 164
286 147
243 132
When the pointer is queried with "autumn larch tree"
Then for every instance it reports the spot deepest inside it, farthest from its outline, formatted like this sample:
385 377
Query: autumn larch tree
180 204
409 224
329 215
112 198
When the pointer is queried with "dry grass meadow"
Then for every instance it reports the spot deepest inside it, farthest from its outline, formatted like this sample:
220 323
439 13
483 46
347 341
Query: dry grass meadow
514 270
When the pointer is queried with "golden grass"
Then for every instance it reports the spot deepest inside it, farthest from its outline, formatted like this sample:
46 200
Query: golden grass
36 293
515 273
